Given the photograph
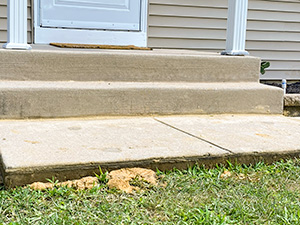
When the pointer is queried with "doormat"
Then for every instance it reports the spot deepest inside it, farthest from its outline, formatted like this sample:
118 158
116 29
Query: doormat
122 47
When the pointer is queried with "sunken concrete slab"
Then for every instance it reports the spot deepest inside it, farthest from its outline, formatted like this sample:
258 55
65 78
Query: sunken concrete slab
48 63
34 150
243 134
39 149
36 99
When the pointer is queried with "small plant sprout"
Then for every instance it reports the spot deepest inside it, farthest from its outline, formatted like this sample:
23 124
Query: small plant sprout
263 66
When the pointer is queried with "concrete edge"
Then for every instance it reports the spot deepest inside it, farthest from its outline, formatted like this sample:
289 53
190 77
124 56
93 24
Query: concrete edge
292 100
23 176
2 171
292 111
291 105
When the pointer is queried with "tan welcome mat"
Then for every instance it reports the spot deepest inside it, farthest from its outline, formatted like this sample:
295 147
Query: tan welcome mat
123 47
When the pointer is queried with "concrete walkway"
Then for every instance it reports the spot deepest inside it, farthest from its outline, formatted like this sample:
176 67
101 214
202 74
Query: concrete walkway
34 150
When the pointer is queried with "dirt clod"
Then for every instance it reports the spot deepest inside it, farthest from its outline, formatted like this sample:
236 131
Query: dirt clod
84 183
226 174
120 179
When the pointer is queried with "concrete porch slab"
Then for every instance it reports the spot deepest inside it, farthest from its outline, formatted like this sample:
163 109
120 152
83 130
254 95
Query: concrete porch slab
34 150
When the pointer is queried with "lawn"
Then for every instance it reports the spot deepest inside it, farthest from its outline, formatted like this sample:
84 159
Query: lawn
259 194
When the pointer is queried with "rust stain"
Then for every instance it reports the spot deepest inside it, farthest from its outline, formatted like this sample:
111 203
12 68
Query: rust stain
263 135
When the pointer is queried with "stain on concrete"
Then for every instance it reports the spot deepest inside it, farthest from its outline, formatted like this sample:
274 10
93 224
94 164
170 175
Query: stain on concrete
263 135
32 142
112 150
75 128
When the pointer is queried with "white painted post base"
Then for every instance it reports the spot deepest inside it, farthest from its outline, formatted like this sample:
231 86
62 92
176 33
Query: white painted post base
17 46
236 28
17 25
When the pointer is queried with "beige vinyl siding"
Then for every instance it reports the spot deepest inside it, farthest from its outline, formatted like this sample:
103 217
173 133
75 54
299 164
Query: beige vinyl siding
3 21
277 39
273 30
191 24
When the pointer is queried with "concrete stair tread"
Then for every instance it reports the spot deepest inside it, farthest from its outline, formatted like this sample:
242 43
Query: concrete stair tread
137 85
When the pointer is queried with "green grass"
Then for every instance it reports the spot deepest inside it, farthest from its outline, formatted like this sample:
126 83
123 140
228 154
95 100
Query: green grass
259 194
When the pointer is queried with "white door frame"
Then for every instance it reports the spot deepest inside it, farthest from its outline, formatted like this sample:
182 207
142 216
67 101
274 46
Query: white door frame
47 35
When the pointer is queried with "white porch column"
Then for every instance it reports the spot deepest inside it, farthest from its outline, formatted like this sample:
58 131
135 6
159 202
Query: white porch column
17 25
236 27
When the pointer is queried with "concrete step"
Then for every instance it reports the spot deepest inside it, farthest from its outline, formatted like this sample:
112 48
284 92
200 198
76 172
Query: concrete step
37 99
53 64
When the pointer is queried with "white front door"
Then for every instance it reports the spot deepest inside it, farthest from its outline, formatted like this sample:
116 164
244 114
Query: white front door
116 22
91 14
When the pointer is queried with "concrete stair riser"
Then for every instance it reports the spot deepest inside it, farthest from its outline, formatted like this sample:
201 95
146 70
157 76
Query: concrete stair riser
72 99
129 66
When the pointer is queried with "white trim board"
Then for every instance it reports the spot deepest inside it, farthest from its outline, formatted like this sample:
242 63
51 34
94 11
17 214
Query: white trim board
106 37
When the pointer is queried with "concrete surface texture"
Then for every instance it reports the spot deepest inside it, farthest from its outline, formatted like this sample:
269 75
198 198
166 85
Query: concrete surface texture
48 63
292 100
34 150
36 99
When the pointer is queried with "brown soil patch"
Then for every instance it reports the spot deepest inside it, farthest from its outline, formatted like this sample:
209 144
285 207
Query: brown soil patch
84 183
226 174
120 179
255 177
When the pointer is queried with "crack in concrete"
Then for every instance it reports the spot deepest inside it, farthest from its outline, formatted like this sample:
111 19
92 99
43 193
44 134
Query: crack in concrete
194 136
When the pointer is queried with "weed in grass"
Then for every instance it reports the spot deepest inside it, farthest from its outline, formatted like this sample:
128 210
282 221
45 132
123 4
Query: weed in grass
102 177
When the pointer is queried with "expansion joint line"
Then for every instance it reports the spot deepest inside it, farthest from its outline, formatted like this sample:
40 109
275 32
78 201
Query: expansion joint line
194 136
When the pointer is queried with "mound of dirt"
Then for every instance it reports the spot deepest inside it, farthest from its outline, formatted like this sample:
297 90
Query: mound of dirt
84 183
120 179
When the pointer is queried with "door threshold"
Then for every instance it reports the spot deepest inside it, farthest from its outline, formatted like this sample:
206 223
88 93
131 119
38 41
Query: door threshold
91 46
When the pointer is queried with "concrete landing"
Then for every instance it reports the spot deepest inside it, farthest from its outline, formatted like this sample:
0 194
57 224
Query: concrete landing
34 150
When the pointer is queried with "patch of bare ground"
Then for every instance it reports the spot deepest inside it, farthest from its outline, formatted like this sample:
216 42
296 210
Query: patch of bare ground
123 179
293 186
81 184
253 177
127 180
